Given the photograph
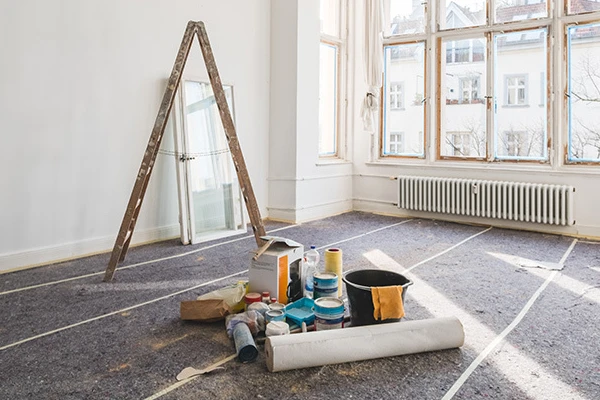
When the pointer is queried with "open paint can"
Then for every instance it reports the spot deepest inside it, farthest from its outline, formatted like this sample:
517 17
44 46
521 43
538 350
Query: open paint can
329 313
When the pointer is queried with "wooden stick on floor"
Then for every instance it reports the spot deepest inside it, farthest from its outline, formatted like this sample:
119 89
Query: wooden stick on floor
141 184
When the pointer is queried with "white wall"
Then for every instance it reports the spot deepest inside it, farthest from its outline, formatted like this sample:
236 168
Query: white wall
301 187
373 190
81 85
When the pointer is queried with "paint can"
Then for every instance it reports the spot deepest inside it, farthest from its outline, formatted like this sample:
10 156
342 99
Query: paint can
244 343
277 306
251 297
277 328
275 315
329 313
325 285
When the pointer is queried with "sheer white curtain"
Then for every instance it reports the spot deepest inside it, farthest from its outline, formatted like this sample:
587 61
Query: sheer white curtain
373 56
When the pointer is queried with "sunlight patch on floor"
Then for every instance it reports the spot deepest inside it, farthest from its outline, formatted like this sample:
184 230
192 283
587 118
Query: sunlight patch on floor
530 377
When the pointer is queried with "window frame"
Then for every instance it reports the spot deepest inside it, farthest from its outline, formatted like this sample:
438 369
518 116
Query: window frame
340 42
382 154
553 89
490 95
573 20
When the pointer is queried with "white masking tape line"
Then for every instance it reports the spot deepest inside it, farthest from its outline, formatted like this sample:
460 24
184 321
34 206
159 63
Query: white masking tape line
168 296
138 264
119 311
465 375
186 381
363 234
447 250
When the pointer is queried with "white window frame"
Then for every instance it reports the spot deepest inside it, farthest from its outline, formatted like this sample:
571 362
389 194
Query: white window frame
489 30
553 89
340 42
576 20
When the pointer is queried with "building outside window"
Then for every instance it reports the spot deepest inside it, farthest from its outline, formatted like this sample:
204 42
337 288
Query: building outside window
488 58
459 143
396 96
469 89
516 90
396 143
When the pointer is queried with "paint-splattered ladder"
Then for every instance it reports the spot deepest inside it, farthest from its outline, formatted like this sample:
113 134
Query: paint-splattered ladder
141 184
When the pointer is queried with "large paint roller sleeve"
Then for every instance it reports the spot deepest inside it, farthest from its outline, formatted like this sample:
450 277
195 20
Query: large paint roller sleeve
313 349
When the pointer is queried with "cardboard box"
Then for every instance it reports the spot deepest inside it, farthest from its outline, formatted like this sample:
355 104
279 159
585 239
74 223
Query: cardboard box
277 268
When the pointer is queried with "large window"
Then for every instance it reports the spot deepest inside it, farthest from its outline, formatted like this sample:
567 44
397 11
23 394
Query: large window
462 105
584 92
331 76
404 109
493 91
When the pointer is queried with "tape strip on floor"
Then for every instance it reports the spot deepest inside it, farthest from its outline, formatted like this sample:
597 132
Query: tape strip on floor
179 384
174 294
64 328
498 339
138 264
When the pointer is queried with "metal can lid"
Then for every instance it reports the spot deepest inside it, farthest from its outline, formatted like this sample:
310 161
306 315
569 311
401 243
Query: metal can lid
329 305
325 275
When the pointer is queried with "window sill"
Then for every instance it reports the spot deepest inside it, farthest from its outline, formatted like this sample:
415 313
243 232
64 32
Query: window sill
573 169
332 161
515 106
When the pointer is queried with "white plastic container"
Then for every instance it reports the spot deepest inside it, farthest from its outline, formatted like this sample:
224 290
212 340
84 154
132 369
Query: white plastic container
277 328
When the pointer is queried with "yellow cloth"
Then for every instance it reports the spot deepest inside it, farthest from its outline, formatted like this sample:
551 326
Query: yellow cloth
387 302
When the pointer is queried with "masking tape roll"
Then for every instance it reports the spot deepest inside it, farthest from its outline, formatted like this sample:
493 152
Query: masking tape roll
334 264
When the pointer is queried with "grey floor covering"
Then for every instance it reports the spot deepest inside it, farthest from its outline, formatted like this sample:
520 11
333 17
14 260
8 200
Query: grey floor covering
136 353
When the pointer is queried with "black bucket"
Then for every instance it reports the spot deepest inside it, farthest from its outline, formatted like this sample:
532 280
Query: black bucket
358 286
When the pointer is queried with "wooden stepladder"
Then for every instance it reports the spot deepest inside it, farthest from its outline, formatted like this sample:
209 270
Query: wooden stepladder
141 184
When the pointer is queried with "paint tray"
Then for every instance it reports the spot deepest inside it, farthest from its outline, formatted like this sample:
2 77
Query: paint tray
301 311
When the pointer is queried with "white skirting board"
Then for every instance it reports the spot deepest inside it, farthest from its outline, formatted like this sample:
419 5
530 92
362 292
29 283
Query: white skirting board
313 349
66 251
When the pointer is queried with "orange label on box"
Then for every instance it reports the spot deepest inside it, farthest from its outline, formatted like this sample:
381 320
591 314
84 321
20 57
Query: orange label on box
283 279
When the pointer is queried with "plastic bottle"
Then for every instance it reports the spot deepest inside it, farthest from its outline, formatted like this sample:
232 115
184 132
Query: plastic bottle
311 260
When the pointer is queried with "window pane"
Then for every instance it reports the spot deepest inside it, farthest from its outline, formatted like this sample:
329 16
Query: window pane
584 92
463 108
519 10
403 94
456 14
330 17
404 17
521 113
328 100
583 6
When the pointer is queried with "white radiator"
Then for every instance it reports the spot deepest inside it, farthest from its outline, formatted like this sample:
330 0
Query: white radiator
528 202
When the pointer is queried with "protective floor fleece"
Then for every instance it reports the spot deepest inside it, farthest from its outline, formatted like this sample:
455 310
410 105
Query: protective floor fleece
559 337
89 297
137 353
97 263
